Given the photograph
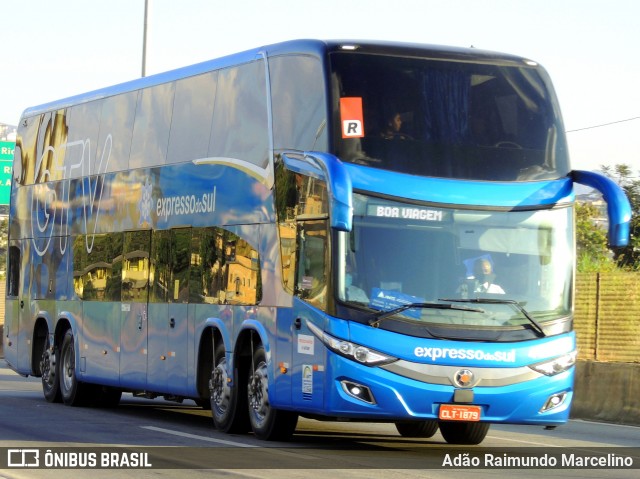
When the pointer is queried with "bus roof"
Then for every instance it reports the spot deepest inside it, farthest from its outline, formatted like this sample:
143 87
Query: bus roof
312 47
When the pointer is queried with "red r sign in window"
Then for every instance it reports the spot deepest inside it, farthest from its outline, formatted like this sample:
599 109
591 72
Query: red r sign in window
351 117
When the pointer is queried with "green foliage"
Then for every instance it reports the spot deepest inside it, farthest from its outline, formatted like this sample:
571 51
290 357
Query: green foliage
588 264
591 241
629 256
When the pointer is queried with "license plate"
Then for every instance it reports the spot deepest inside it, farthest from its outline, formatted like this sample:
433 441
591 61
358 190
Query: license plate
456 412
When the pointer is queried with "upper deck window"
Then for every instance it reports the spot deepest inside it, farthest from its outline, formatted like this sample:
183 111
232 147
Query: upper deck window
448 119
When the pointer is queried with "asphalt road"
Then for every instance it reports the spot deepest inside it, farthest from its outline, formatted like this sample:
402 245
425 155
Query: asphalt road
178 440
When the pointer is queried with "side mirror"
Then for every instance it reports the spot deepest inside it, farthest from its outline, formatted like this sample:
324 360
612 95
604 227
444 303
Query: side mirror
327 167
618 206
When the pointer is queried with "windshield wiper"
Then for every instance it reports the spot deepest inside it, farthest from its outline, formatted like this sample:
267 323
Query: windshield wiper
382 315
536 325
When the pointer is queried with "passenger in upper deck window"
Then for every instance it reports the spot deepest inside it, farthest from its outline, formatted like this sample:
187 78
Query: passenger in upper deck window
393 128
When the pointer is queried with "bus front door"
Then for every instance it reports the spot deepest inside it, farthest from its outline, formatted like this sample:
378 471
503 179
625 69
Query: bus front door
308 360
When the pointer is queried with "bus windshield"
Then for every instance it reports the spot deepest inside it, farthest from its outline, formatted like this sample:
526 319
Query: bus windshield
403 254
449 119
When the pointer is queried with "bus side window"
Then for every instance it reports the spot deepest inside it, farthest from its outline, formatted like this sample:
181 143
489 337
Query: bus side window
13 278
97 270
151 126
169 266
303 209
180 262
240 119
224 268
286 200
192 117
135 266
160 261
206 265
298 102
313 262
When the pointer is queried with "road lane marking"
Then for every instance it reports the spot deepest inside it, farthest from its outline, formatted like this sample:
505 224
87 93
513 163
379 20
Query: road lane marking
297 455
194 436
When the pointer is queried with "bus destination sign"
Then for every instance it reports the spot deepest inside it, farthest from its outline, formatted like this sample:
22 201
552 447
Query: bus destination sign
406 212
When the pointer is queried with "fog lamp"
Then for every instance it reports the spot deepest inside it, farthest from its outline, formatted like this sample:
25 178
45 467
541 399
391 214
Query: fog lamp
554 401
358 391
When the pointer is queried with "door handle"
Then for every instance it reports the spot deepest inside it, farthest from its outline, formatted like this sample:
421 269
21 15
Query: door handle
172 323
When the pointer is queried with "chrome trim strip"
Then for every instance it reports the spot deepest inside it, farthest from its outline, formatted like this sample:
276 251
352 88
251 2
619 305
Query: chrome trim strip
444 375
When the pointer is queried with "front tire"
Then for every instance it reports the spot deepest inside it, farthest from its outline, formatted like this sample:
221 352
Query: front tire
73 392
424 429
464 432
268 423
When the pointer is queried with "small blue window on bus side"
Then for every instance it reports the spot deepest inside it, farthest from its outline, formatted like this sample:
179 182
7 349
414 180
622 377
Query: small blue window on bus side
240 123
192 118
151 126
298 103
116 129
82 148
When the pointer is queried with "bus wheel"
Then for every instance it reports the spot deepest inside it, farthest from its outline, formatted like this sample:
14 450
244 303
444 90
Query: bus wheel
424 429
464 432
50 370
267 423
228 404
74 393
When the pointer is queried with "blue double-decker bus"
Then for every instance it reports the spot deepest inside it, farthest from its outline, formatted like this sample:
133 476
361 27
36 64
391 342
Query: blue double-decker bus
336 230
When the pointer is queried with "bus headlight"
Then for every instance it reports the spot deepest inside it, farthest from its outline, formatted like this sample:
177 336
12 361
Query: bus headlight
554 366
351 350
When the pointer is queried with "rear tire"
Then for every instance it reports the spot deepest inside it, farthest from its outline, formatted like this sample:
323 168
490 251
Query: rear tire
268 423
464 432
74 392
228 398
50 370
424 429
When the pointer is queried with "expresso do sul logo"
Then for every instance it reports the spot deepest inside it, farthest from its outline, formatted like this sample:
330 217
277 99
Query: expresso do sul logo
172 206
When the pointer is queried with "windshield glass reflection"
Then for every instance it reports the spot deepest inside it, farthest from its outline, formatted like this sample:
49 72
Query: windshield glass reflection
517 262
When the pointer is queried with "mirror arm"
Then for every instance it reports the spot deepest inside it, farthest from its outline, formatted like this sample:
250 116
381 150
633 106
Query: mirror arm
618 206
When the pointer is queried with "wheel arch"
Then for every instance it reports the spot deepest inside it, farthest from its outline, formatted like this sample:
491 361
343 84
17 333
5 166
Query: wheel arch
252 334
41 330
213 331
43 327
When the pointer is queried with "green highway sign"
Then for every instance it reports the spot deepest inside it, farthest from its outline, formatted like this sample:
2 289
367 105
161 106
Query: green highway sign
6 164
